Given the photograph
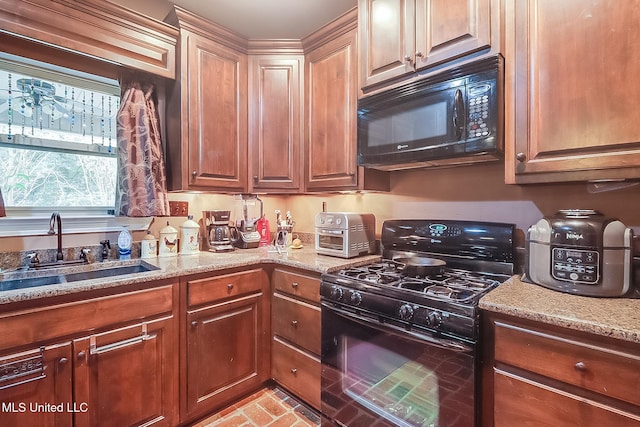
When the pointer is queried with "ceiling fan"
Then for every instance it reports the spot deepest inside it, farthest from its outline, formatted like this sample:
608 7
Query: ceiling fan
37 93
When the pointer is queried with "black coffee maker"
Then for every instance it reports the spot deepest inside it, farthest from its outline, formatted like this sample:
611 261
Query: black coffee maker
218 232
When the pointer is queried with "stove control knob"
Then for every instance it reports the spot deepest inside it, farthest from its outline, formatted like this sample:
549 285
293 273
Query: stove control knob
434 319
406 312
336 293
356 298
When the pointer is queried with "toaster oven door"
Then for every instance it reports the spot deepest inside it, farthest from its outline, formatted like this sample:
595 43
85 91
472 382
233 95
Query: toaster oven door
331 239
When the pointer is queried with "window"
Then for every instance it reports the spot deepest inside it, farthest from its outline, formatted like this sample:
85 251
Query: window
57 137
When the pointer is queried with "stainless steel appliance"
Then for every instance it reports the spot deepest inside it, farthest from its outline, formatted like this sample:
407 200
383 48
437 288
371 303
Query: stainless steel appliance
454 117
248 210
581 252
345 234
400 346
218 234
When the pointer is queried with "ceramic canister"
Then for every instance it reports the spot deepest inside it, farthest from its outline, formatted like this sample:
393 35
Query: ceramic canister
189 237
149 246
168 241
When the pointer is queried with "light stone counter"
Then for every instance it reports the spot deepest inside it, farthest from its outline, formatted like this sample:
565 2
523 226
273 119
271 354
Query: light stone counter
612 317
204 262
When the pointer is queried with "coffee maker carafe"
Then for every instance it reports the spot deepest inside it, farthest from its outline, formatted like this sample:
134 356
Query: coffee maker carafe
248 210
218 233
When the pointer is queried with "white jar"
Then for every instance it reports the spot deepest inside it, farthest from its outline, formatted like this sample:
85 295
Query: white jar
168 241
189 237
149 246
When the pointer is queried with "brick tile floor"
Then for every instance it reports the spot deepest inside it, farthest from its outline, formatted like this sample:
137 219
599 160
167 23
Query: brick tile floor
271 406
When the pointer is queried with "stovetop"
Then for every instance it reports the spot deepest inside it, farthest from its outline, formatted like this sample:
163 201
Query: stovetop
479 256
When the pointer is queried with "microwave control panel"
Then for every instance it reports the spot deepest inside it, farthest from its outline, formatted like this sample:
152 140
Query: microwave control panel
479 98
576 265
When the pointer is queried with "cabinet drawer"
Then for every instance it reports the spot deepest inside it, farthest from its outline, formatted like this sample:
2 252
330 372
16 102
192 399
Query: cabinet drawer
211 289
300 285
297 321
599 369
296 371
518 401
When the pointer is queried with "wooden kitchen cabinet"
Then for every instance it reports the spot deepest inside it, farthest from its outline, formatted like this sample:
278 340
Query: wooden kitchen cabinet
121 376
207 108
330 128
116 365
399 37
542 375
570 112
275 122
226 341
35 377
295 351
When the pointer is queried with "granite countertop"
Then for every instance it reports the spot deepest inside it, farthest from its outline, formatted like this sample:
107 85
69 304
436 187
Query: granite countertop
181 265
612 317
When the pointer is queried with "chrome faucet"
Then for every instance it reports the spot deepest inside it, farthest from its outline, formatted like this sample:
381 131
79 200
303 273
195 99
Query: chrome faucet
56 220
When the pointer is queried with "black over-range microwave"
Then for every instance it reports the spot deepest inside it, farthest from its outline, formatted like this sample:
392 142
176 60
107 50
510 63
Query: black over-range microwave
453 117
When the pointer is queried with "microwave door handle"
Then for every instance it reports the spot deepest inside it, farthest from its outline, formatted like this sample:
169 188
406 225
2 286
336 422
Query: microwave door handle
458 114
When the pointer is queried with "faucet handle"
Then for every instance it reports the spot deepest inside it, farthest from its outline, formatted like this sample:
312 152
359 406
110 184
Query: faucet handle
32 259
84 252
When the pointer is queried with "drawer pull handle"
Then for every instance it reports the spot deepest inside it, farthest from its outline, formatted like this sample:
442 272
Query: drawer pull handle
581 366
230 286
294 285
294 371
194 323
294 323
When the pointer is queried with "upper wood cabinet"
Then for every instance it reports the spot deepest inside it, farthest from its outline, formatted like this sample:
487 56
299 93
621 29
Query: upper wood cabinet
207 109
398 37
330 127
275 122
94 29
571 84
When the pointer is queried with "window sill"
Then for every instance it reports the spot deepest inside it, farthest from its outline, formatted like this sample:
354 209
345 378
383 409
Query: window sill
15 225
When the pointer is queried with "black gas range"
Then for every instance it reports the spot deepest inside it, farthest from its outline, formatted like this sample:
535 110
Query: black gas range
400 337
478 256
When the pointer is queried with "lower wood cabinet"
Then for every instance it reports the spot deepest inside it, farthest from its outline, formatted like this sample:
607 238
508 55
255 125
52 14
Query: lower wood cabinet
124 373
295 351
537 374
226 341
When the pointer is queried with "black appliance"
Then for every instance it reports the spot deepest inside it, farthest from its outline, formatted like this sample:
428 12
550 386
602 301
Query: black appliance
453 117
400 337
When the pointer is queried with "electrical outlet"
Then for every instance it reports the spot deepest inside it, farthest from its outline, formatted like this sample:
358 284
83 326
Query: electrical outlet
178 208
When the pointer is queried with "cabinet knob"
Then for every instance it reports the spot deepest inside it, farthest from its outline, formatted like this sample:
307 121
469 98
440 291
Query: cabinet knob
194 323
230 286
294 323
255 178
418 54
294 285
294 371
62 361
408 59
194 174
521 157
81 354
580 366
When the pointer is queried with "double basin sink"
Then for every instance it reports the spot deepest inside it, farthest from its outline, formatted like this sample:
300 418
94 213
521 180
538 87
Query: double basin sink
87 272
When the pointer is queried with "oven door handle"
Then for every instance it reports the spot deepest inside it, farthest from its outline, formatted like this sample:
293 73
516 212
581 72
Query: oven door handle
444 343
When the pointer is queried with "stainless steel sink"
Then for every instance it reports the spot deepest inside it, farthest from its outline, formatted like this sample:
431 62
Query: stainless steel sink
90 271
109 272
30 282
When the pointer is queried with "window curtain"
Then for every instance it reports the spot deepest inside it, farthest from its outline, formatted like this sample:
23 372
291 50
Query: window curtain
141 186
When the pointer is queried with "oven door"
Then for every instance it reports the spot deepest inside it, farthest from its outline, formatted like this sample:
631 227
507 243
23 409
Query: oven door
381 374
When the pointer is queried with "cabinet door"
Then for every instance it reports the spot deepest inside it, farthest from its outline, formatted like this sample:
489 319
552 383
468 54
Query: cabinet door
225 352
32 379
571 109
387 39
330 132
128 376
217 115
275 123
520 401
447 29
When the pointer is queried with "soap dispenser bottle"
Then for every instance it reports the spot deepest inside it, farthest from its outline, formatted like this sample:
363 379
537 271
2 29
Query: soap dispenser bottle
124 244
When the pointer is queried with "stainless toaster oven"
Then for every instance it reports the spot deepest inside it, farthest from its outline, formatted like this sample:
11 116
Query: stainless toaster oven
345 234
